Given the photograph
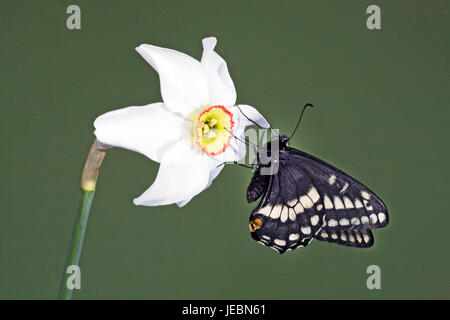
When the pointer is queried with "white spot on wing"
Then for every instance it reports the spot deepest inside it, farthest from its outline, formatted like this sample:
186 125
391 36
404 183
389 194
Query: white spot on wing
338 203
366 238
332 179
373 218
280 242
332 223
299 208
344 188
276 212
327 202
313 194
355 221
364 219
292 215
368 205
365 195
319 207
306 230
314 220
358 204
358 238
292 202
265 211
381 217
306 202
348 203
294 236
344 222
284 214
324 223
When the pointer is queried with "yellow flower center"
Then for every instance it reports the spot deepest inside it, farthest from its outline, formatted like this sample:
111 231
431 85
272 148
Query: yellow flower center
213 130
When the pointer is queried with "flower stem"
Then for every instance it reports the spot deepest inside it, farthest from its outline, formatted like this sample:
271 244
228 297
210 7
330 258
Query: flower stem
88 182
76 243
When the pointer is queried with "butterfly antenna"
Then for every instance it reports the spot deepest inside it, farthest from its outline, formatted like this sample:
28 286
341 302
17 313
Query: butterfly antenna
247 143
252 121
300 119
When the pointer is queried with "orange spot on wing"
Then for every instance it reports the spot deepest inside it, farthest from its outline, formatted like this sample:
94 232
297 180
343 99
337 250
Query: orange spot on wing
255 224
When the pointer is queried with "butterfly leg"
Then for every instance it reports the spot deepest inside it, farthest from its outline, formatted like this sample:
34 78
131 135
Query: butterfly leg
252 166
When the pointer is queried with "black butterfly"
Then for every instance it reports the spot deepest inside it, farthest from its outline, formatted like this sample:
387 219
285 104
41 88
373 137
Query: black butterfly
307 199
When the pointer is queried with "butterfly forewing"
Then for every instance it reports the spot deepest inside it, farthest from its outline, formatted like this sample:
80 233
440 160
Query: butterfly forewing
349 237
348 204
308 198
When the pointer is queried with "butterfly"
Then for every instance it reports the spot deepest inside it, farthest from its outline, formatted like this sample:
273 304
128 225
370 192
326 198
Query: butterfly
306 199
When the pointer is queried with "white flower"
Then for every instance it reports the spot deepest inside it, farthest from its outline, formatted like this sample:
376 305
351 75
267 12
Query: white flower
191 133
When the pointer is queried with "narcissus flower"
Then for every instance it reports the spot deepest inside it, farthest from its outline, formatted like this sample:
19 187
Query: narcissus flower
195 130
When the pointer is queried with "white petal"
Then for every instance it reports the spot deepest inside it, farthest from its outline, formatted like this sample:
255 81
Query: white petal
235 151
184 84
183 173
149 130
247 116
184 202
243 116
221 87
215 169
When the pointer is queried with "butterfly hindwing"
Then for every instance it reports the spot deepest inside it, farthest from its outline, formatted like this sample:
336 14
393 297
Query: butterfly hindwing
287 217
308 198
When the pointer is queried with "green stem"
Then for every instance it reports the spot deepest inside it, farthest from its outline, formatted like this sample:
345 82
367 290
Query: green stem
76 243
88 182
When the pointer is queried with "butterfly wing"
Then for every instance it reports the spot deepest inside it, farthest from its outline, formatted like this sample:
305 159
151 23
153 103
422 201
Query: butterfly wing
348 204
308 198
348 237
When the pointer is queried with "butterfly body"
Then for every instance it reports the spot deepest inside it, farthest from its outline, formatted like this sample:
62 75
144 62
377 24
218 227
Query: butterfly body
307 198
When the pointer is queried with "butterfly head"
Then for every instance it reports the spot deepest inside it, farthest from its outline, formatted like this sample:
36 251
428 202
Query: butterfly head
272 146
284 141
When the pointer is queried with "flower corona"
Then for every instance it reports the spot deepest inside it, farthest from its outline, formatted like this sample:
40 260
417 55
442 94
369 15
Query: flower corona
213 130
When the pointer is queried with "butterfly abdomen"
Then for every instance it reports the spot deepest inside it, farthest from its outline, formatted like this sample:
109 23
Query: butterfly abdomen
258 186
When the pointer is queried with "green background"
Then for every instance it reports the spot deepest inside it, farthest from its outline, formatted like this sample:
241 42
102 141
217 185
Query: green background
382 109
